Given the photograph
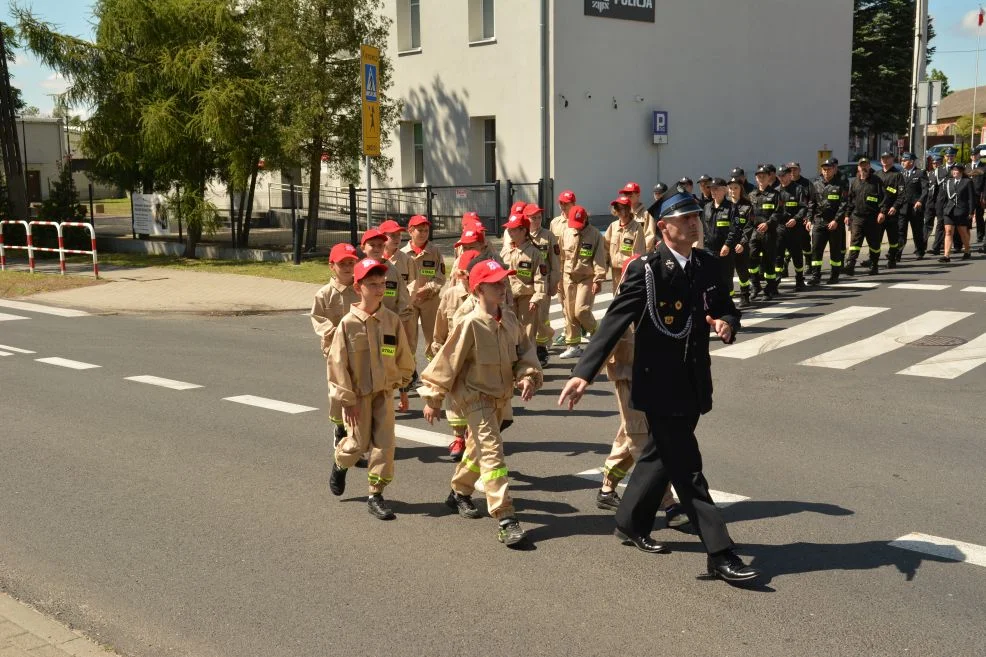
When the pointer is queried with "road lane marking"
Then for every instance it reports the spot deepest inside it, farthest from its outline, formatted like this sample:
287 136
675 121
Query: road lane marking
952 363
163 383
15 349
892 339
861 285
721 499
4 317
44 310
270 404
942 547
422 436
799 333
555 310
65 362
560 322
973 288
919 286
783 309
5 353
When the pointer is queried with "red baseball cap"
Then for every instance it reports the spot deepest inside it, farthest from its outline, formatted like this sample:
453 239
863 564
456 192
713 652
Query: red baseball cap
469 237
418 220
488 271
532 209
342 251
630 188
518 207
390 226
517 221
568 196
577 217
470 216
620 200
372 234
465 258
367 266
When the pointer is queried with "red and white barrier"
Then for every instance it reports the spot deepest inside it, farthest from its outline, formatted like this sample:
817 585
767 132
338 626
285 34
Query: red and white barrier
61 250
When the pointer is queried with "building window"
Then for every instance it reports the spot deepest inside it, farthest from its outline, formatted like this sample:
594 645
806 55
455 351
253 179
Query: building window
481 20
408 25
419 153
489 149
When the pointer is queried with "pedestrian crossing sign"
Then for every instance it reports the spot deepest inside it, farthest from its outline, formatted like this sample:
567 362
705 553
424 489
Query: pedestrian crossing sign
370 82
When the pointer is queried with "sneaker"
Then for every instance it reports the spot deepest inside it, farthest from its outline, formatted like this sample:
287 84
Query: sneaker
675 516
608 501
339 434
559 341
574 351
462 504
510 532
337 480
378 508
457 448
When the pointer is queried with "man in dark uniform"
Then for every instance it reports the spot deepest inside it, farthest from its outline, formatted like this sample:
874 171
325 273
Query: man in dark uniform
673 295
660 189
978 177
915 195
893 195
866 216
768 212
940 201
705 190
936 176
827 207
798 179
791 234
740 174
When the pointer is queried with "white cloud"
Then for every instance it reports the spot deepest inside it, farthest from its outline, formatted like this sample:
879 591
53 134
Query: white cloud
970 23
54 83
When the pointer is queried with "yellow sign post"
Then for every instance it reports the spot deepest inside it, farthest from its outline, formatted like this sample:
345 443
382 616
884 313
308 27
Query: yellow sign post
370 67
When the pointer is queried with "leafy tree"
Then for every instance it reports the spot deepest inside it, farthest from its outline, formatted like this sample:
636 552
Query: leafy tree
938 75
882 62
62 203
962 131
30 110
10 43
5 212
313 55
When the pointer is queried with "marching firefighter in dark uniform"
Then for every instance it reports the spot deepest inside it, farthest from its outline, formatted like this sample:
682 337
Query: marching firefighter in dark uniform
936 176
792 234
798 179
912 211
768 212
740 174
828 205
722 233
866 216
893 193
705 190
743 220
674 296
978 178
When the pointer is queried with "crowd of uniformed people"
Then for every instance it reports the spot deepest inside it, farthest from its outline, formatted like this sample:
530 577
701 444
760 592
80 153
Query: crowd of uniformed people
484 321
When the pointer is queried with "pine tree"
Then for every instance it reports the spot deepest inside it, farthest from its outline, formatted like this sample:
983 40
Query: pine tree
63 199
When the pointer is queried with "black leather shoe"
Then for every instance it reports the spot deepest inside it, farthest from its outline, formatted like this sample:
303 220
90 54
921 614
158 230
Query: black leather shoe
642 543
608 501
967 255
362 462
337 480
726 565
462 504
378 508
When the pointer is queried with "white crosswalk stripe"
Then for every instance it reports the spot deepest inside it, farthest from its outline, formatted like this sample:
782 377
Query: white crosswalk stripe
952 363
270 404
65 362
5 317
919 286
756 316
799 333
44 310
16 350
974 288
890 340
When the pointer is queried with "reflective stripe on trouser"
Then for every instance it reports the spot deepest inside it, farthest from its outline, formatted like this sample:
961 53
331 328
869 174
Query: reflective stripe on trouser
629 441
545 332
456 421
834 239
425 313
742 265
578 299
528 319
763 248
484 458
891 227
373 432
791 239
859 230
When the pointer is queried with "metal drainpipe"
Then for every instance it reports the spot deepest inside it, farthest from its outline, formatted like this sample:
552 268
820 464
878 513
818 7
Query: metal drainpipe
545 115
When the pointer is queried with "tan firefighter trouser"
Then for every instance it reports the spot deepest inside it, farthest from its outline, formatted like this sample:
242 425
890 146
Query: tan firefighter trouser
578 302
373 432
425 313
545 332
484 458
528 320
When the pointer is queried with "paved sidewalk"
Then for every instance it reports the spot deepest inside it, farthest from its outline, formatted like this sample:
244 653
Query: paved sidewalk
25 632
158 289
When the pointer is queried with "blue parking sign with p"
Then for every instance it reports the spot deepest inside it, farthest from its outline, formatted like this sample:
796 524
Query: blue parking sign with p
370 77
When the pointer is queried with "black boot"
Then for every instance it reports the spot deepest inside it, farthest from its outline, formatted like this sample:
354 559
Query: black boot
799 281
462 504
543 355
833 277
874 267
816 276
337 480
745 299
892 259
378 508
771 290
757 290
850 269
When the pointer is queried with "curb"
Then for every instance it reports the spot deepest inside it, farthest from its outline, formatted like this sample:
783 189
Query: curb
24 630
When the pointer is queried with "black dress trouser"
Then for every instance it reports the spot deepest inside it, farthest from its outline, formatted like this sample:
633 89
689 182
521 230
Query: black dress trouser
672 454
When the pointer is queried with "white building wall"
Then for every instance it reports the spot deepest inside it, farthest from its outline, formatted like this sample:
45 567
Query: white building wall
746 81
449 85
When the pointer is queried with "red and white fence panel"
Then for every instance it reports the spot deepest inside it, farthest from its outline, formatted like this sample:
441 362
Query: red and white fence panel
61 250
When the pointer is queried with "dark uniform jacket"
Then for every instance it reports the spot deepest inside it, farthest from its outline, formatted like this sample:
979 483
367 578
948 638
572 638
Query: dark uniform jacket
720 228
768 207
915 188
829 201
959 198
796 203
866 197
936 181
743 222
672 372
893 188
978 178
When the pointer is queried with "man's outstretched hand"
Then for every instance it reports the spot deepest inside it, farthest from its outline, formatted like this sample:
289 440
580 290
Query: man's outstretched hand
573 391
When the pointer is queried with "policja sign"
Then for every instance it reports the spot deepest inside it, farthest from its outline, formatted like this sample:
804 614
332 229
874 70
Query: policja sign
630 10
370 66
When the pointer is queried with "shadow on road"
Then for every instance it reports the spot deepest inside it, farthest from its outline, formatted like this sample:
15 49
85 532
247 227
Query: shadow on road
760 509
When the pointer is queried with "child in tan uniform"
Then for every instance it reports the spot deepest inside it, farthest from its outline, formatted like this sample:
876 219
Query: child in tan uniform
521 255
332 302
557 227
368 360
585 269
624 238
426 287
477 368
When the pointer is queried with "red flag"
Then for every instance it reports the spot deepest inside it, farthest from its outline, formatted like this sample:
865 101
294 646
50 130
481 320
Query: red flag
981 15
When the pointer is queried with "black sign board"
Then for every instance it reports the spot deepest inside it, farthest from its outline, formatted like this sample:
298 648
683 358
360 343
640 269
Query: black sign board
628 10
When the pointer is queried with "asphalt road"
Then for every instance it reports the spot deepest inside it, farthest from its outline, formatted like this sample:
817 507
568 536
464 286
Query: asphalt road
167 522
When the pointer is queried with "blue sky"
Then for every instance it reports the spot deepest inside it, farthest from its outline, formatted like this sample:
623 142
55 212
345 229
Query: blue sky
955 22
